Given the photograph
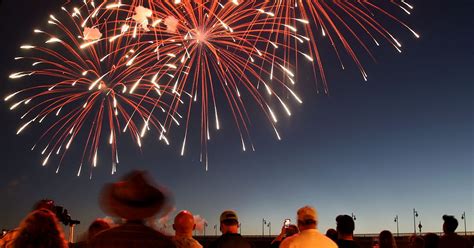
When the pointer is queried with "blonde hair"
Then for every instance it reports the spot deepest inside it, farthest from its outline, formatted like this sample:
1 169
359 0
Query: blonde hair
40 229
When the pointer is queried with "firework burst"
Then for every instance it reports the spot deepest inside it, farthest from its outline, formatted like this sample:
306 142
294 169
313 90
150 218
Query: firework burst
83 89
205 50
344 23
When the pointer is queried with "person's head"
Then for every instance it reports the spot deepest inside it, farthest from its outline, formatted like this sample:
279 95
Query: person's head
291 230
96 227
345 226
229 222
386 240
184 223
40 229
134 198
417 242
44 203
450 224
431 240
332 234
307 218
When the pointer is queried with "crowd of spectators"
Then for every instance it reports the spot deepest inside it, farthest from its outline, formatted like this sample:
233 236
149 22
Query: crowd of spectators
136 198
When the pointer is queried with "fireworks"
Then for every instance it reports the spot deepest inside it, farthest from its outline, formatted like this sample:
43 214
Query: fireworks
343 23
79 88
102 69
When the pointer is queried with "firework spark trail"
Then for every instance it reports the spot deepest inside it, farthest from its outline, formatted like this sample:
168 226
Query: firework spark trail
210 51
78 86
342 22
117 64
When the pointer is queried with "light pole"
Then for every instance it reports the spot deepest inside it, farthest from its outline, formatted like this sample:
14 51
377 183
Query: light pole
263 227
269 228
420 226
463 217
396 220
240 228
205 225
415 214
353 216
215 228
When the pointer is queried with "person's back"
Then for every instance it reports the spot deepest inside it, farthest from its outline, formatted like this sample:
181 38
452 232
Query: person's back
341 243
345 231
431 240
454 240
131 235
309 235
231 240
450 239
230 237
308 238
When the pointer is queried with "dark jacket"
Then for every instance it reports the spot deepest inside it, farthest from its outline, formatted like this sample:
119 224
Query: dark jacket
231 240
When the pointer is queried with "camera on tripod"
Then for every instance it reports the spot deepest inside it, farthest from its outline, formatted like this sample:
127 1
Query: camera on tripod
64 216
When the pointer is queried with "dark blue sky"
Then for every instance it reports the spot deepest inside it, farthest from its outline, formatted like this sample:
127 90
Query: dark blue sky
402 140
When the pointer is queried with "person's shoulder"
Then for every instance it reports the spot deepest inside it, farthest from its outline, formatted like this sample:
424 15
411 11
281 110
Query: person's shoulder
287 242
328 242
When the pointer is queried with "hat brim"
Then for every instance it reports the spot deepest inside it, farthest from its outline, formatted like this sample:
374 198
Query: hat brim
115 207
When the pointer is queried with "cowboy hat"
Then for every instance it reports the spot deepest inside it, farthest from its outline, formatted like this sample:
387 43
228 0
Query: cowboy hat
133 198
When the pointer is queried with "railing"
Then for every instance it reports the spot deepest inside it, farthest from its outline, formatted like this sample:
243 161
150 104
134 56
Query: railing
468 233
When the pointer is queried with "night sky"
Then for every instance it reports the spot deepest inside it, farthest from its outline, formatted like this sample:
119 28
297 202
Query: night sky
402 140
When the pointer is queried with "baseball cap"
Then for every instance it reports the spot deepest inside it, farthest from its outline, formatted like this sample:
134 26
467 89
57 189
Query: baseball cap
307 213
229 215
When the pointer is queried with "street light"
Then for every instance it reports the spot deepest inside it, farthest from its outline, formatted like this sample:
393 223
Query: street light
415 214
420 226
205 225
396 220
353 216
240 228
215 228
269 225
263 227
463 217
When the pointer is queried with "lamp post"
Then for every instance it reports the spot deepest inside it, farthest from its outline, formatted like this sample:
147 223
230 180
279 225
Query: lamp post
396 220
205 225
240 228
269 225
415 214
263 227
463 217
215 229
353 216
420 226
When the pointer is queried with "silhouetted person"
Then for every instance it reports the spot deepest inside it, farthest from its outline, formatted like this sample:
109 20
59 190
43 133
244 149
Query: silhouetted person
8 239
386 240
431 240
285 233
230 238
134 199
40 229
416 242
96 227
345 232
309 235
332 234
450 238
184 226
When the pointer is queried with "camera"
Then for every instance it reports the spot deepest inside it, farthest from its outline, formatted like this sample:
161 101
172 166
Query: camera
64 217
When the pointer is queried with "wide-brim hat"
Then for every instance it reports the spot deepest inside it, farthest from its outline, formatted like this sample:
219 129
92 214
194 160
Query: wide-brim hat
136 197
